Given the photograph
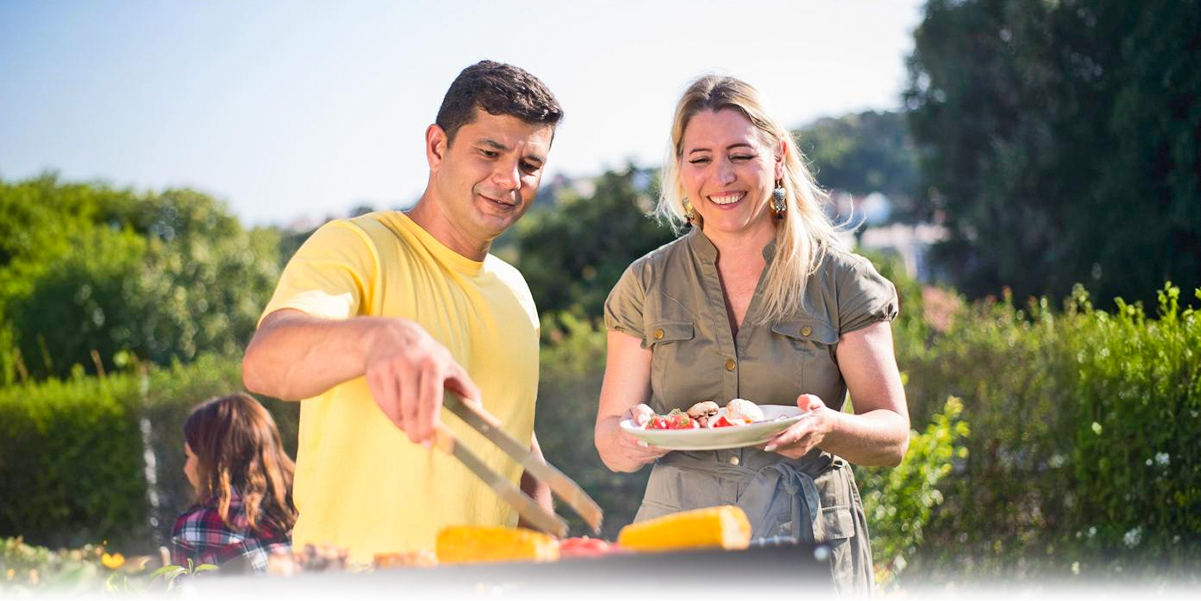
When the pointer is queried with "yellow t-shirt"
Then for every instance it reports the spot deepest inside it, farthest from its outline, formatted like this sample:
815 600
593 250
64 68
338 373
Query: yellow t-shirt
359 482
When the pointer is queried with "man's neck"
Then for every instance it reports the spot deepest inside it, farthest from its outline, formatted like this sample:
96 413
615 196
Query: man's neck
430 216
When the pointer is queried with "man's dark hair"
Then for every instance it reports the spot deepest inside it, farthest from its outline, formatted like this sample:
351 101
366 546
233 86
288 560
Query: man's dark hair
499 89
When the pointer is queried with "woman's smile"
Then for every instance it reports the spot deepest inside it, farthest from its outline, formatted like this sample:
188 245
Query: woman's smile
727 198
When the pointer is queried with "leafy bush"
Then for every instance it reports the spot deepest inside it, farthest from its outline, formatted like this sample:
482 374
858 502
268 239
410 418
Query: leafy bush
1085 433
88 271
900 501
1135 392
71 462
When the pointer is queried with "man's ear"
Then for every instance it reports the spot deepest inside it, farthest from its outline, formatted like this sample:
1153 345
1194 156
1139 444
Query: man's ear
435 146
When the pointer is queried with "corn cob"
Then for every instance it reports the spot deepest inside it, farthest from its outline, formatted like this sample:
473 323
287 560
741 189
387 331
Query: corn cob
725 527
463 544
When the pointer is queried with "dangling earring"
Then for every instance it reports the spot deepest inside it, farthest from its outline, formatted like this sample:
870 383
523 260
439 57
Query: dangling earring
777 200
688 214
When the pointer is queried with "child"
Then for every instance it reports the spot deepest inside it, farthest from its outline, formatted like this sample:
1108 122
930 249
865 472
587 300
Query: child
243 483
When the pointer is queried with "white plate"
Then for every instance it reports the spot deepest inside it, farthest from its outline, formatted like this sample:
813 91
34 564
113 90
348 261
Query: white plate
776 419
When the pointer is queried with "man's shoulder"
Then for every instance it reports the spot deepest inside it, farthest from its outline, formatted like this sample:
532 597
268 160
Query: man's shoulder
508 274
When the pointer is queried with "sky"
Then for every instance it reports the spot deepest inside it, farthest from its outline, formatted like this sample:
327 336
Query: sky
296 110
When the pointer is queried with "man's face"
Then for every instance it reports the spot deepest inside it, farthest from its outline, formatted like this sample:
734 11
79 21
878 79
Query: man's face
488 177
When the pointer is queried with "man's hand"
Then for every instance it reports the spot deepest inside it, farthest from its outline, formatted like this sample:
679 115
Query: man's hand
407 370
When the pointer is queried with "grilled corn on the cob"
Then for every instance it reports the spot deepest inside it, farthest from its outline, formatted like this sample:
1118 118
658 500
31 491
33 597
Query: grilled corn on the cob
462 544
725 527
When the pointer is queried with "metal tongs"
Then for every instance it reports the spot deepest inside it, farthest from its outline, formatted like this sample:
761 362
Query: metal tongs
562 486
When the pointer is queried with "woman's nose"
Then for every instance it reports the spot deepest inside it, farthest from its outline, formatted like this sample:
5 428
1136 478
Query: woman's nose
725 173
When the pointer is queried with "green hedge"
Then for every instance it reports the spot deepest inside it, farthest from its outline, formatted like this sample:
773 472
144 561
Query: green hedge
73 453
1083 459
71 462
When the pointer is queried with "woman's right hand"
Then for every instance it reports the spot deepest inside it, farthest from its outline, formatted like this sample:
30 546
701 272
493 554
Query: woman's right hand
621 451
626 387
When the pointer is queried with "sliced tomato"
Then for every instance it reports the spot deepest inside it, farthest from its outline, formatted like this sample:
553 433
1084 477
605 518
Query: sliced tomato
725 422
658 422
681 421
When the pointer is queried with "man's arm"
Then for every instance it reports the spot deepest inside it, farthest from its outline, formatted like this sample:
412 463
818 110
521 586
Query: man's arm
536 489
294 355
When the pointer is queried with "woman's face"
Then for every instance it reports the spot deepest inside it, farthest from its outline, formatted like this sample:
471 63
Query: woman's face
728 173
189 468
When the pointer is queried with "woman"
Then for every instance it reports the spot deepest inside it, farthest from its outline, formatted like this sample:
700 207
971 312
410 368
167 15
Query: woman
757 302
243 483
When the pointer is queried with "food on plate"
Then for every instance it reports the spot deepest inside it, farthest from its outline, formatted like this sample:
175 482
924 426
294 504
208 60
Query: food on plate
422 559
465 544
583 546
703 412
676 420
743 409
706 414
725 527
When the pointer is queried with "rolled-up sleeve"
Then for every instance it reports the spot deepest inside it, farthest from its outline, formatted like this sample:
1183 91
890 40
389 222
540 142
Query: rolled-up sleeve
623 308
864 297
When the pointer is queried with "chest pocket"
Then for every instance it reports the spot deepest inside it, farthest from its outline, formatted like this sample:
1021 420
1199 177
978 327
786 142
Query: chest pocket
812 341
674 355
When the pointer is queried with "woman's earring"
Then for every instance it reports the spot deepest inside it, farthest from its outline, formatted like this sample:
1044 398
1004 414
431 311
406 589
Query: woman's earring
777 200
688 214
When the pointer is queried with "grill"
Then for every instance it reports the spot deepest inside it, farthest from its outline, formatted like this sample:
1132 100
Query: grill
768 565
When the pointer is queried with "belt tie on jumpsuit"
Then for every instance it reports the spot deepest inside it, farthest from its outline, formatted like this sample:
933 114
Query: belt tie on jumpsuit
795 481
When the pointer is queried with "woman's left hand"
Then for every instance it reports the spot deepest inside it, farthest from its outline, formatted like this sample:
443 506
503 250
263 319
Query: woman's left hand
806 434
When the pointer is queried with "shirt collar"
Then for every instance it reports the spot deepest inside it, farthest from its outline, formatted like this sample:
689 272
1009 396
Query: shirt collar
703 247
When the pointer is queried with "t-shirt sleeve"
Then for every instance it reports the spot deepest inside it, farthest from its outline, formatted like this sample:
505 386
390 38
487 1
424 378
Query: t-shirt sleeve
623 308
329 276
864 297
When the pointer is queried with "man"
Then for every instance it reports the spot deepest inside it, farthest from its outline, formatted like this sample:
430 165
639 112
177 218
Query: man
374 316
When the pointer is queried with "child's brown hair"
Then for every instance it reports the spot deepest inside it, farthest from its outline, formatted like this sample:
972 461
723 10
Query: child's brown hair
238 447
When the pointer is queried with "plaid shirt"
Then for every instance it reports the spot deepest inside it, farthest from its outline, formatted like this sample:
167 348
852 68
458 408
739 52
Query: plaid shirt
200 534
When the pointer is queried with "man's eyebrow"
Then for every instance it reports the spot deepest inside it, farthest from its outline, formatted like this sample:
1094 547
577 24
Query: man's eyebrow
494 145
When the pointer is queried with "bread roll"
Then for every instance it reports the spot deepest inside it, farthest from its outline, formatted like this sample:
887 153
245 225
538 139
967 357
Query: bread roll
743 409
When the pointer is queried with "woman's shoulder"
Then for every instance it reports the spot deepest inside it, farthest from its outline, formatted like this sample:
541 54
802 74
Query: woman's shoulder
839 266
662 256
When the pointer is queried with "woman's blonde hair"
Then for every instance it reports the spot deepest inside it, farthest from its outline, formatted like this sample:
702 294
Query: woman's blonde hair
238 448
804 235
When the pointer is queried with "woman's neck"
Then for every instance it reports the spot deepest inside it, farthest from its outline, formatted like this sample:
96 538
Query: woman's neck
740 246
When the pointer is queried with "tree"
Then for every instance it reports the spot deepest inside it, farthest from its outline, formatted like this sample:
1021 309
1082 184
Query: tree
573 255
1060 142
863 153
89 271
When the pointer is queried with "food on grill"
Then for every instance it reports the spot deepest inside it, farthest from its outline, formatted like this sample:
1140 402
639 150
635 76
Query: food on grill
422 559
465 544
743 409
583 546
676 420
703 412
725 527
